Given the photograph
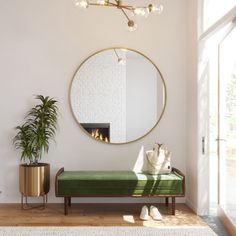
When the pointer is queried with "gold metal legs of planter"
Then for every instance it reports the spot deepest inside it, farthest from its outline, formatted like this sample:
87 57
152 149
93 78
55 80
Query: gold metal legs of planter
26 206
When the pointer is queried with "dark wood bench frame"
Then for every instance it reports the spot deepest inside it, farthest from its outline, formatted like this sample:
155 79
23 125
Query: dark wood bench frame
67 198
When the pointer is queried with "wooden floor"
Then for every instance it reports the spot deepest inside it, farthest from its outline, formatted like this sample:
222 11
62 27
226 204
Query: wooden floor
94 215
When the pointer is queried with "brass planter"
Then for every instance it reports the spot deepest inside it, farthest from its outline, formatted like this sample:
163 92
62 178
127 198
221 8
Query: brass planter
34 180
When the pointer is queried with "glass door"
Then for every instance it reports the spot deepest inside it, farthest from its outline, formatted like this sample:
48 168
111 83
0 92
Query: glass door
227 127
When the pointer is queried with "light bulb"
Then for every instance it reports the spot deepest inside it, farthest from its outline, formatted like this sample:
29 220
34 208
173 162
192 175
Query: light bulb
160 9
121 61
137 11
102 2
76 3
131 25
140 11
155 8
146 12
82 3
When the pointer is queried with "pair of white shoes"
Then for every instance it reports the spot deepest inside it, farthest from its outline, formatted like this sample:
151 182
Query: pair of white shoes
154 213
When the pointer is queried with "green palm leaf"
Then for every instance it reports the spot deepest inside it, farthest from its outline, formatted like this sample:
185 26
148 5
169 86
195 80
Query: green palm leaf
39 128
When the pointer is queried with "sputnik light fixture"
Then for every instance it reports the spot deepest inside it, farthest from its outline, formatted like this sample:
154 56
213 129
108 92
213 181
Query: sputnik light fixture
133 10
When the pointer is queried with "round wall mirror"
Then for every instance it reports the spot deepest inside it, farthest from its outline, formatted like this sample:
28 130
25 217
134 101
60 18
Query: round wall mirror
118 95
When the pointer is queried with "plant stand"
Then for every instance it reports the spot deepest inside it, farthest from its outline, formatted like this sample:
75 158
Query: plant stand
26 206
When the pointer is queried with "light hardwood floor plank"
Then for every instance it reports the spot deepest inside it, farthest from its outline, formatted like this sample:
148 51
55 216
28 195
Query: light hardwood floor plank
95 215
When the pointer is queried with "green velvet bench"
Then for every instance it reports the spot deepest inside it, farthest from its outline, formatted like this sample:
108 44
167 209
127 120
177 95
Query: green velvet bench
70 184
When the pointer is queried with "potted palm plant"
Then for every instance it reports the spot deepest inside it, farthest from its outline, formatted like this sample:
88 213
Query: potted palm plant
33 138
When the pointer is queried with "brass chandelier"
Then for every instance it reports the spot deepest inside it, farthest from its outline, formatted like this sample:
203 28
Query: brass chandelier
133 10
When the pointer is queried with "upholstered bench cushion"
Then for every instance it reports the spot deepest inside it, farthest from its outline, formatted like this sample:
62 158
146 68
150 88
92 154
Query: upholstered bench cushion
92 183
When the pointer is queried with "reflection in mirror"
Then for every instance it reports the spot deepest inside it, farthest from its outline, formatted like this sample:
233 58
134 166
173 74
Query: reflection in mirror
118 95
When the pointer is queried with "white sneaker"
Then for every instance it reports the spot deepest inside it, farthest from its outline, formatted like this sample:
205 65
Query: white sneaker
155 214
144 213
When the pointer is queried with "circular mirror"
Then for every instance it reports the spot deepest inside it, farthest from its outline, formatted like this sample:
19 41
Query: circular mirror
118 95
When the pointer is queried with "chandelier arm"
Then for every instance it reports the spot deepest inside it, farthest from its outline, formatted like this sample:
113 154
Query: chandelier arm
100 5
113 4
123 6
126 7
117 3
129 8
127 17
132 7
116 54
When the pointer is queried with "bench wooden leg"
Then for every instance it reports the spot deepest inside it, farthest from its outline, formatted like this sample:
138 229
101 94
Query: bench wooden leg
69 202
66 201
167 201
173 205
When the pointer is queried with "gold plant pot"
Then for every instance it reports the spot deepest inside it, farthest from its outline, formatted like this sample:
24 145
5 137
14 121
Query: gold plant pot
34 179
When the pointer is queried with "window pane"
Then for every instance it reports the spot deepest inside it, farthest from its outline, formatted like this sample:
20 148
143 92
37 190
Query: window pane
213 10
228 125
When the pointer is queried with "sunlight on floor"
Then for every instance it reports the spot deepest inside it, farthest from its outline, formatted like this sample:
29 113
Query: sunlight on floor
129 218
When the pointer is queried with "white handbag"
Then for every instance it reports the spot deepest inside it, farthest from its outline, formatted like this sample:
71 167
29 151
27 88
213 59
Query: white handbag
158 160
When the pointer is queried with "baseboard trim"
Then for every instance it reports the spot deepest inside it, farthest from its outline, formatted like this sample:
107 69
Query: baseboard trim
191 206
106 200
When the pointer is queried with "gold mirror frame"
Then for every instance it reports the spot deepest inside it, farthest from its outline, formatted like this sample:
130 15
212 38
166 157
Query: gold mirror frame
127 49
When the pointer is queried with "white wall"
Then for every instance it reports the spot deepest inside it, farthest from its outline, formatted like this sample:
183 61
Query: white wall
141 97
41 45
192 106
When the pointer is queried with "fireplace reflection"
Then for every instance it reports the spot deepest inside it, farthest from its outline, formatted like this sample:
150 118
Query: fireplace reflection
97 134
100 131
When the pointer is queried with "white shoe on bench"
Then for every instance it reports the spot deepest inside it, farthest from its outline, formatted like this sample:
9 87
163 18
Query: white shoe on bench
144 213
155 214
